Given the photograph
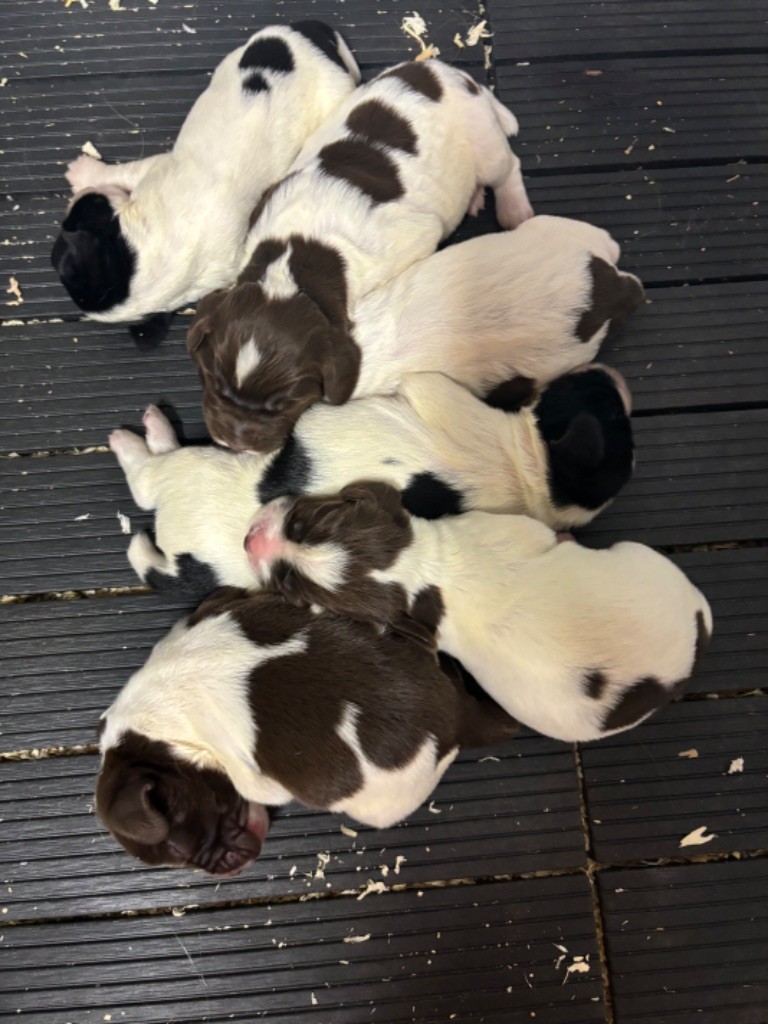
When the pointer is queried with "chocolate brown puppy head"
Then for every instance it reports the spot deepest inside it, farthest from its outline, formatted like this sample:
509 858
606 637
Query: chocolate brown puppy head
273 345
164 810
323 549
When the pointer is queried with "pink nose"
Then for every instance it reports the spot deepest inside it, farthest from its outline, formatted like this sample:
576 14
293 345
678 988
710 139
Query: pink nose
262 545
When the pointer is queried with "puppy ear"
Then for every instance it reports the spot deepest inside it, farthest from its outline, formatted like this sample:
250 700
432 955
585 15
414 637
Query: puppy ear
340 368
198 332
92 213
583 442
418 632
375 492
293 587
131 813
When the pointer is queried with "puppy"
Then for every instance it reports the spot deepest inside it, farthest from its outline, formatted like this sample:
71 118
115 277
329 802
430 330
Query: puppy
374 190
575 643
150 236
250 702
561 460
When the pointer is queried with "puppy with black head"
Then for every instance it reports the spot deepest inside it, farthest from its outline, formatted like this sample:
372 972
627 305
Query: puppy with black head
142 239
206 735
435 441
377 188
575 643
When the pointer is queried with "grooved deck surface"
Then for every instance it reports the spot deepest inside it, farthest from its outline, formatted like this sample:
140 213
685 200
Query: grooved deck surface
644 116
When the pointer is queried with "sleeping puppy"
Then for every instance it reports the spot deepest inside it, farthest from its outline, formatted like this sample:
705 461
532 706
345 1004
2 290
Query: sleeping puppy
147 237
575 643
527 305
374 190
561 461
206 734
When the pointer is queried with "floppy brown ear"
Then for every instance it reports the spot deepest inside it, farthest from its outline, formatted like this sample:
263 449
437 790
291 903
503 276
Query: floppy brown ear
198 332
132 815
340 368
375 492
418 632
583 442
217 601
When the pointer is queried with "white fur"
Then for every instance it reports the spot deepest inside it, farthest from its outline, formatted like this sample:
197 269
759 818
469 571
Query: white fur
486 310
389 795
462 143
530 618
205 498
185 213
248 359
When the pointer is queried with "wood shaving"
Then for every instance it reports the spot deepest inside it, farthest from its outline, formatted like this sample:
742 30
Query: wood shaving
83 517
347 831
90 150
322 863
398 861
477 32
357 938
736 766
313 999
15 290
187 28
579 966
692 753
114 5
592 74
371 887
457 41
125 523
697 837
489 757
414 26
432 809
430 52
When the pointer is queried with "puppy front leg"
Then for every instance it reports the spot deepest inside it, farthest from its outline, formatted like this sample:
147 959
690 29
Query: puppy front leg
87 172
512 204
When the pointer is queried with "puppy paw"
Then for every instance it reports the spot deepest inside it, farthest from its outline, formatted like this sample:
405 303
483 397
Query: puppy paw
511 212
143 556
85 172
127 446
161 437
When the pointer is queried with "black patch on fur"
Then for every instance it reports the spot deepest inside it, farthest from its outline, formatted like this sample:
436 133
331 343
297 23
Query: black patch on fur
595 683
377 122
364 167
91 256
149 332
429 497
323 37
289 472
267 54
638 701
255 82
588 435
614 297
511 395
418 77
194 579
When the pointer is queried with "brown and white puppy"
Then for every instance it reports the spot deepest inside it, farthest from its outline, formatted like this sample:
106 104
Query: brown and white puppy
560 460
373 191
251 703
575 643
147 237
529 304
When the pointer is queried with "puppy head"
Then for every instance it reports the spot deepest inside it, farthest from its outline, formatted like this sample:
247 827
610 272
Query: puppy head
164 810
583 418
263 361
322 549
91 256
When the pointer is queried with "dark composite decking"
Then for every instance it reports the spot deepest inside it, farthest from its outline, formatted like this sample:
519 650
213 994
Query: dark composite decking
570 898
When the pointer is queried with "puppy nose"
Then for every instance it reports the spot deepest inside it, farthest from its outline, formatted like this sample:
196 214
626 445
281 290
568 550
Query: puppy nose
262 545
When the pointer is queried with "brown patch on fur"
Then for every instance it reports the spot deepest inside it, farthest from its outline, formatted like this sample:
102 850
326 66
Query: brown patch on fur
643 697
513 394
364 167
419 77
262 203
163 810
471 85
305 345
376 122
614 297
702 641
595 684
422 620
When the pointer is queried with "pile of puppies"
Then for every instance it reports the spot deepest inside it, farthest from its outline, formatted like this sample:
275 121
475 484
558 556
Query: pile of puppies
399 437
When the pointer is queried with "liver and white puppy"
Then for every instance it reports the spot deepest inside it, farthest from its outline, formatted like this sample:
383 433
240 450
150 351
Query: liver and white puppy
530 304
207 733
561 461
575 643
374 190
147 237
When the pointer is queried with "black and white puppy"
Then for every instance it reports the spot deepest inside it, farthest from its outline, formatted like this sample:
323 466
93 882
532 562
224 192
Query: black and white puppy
575 643
373 191
560 460
252 703
147 237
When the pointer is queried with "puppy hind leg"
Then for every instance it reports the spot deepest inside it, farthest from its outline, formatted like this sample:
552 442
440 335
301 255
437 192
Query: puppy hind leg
161 437
496 164
512 203
135 461
148 562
